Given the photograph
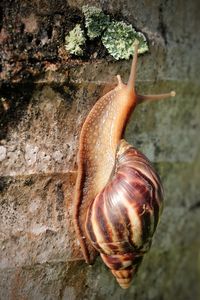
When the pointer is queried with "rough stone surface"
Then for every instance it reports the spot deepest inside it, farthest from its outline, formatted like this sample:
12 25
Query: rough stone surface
45 96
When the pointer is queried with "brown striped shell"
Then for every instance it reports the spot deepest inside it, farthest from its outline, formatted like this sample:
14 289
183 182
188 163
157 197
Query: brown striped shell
123 217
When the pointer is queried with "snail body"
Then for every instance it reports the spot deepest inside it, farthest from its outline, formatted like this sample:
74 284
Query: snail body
118 195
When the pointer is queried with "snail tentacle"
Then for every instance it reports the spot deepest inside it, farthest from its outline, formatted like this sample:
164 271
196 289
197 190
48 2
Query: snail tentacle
144 98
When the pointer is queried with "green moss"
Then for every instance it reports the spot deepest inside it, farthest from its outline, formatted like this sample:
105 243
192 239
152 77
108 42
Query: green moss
95 21
75 40
119 38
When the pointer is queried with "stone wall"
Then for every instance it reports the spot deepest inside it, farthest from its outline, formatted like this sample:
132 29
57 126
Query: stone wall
45 96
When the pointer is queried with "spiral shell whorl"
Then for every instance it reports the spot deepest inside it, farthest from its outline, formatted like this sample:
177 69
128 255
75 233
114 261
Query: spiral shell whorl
123 217
123 267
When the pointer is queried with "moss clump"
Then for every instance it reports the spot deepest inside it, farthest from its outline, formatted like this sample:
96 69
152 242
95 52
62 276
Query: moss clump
119 38
75 40
95 21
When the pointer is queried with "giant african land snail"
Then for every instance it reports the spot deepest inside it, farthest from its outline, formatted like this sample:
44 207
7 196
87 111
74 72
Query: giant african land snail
118 195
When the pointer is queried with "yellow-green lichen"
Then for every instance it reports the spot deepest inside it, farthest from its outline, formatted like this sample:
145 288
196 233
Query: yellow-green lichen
119 38
75 40
95 21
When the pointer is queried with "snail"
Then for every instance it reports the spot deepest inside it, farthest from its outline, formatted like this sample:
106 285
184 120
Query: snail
118 194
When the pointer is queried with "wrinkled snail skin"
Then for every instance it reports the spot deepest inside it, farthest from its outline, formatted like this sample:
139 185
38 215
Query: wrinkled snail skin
118 195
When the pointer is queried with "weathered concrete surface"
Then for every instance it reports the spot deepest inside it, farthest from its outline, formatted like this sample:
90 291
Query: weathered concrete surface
46 96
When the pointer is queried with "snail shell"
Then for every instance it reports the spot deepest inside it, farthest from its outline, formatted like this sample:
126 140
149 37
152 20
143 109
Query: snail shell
118 195
123 217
